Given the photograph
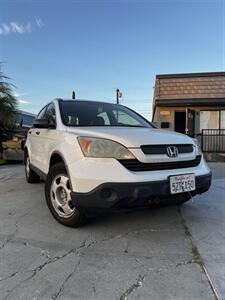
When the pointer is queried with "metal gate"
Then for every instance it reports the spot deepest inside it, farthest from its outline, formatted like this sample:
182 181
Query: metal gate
213 140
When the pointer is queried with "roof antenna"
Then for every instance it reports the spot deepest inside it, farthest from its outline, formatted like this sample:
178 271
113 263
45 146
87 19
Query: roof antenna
73 95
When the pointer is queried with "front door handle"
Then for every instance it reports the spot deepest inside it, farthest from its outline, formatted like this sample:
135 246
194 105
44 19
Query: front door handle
37 132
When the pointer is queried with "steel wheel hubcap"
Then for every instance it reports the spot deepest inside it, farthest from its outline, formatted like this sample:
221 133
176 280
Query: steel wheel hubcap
60 196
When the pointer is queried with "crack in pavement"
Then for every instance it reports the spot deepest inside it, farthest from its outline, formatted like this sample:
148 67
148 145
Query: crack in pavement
50 261
57 258
77 250
86 245
42 266
197 256
196 260
60 291
10 238
136 232
139 282
8 277
132 288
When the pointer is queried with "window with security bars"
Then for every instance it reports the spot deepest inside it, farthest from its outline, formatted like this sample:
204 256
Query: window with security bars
209 119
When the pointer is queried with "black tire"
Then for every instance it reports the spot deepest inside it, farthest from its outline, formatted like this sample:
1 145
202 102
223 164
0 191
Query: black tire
31 176
77 217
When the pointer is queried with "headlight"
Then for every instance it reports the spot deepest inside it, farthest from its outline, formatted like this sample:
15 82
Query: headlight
98 147
198 146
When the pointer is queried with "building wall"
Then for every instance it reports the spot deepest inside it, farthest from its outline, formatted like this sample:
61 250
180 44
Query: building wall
166 114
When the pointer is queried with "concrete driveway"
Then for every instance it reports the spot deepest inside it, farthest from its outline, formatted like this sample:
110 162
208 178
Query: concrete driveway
169 253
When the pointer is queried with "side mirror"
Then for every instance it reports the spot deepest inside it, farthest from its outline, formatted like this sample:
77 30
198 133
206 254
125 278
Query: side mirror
41 123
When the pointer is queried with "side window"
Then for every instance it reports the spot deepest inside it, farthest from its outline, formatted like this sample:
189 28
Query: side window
50 114
41 113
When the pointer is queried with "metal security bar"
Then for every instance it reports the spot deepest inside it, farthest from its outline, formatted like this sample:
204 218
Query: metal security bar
213 140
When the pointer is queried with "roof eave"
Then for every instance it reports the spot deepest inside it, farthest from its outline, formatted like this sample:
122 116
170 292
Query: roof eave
189 75
190 102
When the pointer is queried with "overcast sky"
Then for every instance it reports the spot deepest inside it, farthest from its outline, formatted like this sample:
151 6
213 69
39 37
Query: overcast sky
52 47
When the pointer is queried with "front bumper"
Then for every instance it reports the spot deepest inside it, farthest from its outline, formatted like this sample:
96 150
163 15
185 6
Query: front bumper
89 173
109 195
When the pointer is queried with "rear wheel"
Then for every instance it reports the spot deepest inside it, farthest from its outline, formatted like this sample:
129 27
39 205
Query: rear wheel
58 197
31 176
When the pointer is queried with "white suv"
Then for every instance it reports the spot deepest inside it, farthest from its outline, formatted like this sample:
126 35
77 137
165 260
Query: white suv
95 155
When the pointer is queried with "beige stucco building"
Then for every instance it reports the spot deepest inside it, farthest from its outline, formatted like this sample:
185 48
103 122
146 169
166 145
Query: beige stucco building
188 103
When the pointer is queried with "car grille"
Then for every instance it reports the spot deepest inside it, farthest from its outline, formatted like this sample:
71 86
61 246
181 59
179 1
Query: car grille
137 166
162 149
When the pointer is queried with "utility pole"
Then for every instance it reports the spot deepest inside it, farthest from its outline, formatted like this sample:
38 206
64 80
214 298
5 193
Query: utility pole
118 95
73 95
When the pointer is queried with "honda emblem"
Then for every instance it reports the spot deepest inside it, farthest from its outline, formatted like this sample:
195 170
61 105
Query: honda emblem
172 151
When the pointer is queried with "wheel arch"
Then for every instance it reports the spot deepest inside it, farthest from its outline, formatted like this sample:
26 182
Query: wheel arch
57 157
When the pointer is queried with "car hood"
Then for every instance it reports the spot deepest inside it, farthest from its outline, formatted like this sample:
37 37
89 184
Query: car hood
133 137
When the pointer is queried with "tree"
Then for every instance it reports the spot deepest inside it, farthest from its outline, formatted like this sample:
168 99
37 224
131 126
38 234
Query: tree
8 107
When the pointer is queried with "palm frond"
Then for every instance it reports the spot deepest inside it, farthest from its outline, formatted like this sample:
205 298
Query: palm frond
8 102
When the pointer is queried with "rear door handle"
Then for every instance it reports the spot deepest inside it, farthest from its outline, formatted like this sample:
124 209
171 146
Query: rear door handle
37 132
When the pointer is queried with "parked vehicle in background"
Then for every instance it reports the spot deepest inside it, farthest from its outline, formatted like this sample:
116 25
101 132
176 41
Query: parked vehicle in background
96 156
12 147
13 140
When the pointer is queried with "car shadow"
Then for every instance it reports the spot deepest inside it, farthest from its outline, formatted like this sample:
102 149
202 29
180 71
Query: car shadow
134 216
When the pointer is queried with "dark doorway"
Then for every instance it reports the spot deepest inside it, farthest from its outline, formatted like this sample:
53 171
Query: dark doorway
180 121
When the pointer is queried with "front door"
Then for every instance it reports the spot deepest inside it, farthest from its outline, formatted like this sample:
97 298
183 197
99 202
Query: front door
191 122
34 138
47 139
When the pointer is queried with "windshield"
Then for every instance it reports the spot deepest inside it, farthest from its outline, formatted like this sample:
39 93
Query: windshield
78 113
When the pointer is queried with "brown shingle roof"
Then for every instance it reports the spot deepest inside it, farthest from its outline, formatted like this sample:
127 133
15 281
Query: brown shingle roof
190 86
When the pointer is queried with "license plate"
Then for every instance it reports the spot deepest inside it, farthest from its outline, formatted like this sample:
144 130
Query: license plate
182 183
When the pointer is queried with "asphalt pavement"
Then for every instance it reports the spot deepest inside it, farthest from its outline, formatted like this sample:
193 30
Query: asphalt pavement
168 253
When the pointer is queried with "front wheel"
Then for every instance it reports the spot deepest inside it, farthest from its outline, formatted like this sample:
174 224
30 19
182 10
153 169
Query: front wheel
57 193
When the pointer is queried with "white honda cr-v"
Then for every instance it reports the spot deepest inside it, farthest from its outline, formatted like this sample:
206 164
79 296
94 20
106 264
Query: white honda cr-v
95 155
